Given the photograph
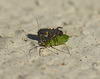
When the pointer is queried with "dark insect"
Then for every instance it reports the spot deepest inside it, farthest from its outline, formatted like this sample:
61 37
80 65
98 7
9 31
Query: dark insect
49 33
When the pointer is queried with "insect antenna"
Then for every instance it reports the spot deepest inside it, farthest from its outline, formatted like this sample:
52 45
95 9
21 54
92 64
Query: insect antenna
71 34
37 22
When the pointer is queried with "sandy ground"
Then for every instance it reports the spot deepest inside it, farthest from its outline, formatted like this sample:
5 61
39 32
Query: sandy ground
18 26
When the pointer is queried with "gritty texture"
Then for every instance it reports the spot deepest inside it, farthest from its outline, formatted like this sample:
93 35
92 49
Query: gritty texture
19 57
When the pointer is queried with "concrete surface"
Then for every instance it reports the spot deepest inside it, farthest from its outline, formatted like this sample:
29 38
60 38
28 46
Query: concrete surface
77 17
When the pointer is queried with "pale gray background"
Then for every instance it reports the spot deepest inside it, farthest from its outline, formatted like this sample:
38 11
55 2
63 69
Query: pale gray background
77 17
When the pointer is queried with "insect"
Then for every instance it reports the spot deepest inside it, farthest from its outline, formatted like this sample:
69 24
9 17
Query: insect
49 33
62 39
51 37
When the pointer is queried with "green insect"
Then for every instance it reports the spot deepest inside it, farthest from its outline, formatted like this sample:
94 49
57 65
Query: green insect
61 40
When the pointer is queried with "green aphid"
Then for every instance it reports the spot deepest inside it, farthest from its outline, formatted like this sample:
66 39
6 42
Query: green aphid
61 40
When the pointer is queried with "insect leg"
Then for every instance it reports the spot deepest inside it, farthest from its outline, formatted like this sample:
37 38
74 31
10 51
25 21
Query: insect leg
40 52
32 49
56 49
67 49
43 37
56 33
